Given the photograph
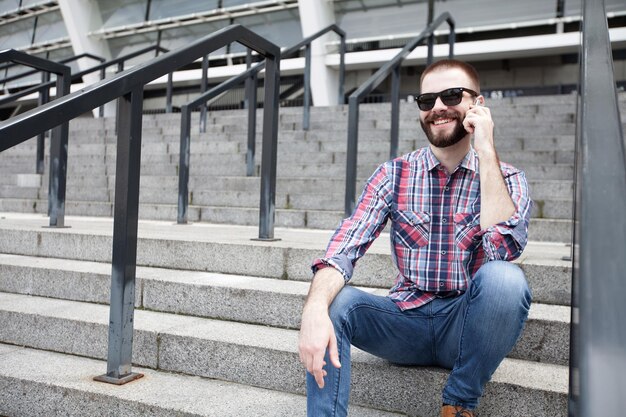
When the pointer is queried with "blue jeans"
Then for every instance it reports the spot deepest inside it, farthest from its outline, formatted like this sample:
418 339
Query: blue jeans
469 334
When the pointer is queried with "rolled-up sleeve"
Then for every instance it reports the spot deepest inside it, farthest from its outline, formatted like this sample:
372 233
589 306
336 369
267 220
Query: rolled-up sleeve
506 240
356 233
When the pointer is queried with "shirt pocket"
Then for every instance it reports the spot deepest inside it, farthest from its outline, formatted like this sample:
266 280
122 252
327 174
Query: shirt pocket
411 228
467 229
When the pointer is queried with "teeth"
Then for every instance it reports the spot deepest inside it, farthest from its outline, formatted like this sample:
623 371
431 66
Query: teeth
441 121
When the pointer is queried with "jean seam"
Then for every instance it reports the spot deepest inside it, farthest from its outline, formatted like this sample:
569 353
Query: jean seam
338 379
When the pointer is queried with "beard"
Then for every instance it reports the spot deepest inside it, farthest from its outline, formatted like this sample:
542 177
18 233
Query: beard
442 140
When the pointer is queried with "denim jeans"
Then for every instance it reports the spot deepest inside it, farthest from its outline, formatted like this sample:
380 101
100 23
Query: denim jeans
469 334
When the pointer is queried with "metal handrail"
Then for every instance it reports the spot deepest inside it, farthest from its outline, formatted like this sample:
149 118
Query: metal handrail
101 67
58 144
598 334
44 97
128 87
250 77
61 61
392 67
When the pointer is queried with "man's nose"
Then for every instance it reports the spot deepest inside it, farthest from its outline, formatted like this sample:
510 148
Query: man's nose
439 105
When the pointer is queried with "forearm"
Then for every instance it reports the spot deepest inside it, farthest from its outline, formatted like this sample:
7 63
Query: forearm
496 205
325 286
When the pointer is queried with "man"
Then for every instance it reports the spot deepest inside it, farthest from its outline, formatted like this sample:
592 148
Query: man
457 216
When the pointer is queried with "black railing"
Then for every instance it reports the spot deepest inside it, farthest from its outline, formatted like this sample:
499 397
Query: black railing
250 78
598 348
128 87
119 62
393 68
61 61
44 97
58 144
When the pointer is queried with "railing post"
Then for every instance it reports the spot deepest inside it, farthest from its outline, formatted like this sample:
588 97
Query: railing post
431 38
342 69
168 94
124 260
351 163
203 87
58 161
395 111
269 151
306 116
451 38
251 104
183 165
598 364
101 108
44 97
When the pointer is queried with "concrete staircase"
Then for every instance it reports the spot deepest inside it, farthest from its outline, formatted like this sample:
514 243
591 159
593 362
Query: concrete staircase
217 313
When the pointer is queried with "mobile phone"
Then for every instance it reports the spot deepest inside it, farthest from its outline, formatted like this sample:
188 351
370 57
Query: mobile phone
478 102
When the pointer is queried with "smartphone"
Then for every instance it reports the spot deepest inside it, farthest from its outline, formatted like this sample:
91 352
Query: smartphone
478 102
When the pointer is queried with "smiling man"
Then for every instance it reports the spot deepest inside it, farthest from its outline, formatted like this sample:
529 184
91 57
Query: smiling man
458 217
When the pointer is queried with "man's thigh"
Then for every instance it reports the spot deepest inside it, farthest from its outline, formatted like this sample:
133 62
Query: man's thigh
376 325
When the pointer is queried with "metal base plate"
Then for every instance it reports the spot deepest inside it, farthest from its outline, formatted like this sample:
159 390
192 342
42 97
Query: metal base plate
118 381
259 239
56 227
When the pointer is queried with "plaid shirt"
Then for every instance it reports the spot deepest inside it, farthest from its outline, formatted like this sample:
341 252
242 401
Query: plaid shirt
437 241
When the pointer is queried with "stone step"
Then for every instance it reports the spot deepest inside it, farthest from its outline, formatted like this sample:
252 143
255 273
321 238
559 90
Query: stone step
550 224
227 249
40 383
251 354
232 297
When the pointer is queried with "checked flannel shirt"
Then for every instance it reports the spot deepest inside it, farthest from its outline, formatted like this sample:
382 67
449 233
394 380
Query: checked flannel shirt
436 239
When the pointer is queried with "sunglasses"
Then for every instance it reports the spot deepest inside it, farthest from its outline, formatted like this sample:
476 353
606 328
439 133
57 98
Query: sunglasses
449 97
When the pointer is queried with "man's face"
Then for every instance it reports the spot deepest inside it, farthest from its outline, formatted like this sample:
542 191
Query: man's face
443 124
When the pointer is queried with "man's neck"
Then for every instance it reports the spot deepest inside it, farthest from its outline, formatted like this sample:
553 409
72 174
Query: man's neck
451 156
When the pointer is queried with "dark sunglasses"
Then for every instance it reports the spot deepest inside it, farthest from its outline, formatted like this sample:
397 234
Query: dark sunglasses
449 97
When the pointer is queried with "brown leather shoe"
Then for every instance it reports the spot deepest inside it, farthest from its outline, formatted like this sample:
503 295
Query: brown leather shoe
455 411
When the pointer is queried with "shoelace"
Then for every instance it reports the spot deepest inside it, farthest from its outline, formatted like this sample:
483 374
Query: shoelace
461 412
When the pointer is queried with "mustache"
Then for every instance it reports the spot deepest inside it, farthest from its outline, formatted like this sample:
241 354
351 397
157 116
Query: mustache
446 115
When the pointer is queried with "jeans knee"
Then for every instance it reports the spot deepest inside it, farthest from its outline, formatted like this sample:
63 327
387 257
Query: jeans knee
504 281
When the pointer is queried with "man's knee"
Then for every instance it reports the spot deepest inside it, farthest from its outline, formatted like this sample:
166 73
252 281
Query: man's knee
503 280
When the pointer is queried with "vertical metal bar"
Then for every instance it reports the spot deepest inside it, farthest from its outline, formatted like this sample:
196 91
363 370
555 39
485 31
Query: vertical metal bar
168 93
431 38
451 39
183 164
599 261
32 39
342 70
124 260
351 163
203 87
58 161
306 116
250 103
44 97
101 108
395 111
148 7
269 152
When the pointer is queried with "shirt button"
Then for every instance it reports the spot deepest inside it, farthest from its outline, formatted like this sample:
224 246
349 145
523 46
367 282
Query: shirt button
441 284
443 252
446 188
444 220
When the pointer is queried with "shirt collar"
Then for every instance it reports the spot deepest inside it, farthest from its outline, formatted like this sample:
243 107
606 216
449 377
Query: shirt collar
469 162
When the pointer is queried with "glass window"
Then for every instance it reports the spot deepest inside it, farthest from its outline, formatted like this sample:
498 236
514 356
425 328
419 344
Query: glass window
160 9
17 35
282 28
122 12
8 6
184 35
50 26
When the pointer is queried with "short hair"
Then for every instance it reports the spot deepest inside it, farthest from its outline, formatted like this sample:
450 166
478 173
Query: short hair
468 69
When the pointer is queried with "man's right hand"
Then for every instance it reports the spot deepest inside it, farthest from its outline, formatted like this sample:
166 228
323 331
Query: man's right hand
316 329
316 335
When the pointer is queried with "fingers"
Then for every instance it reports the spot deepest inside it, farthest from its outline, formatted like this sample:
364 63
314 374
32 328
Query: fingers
333 354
